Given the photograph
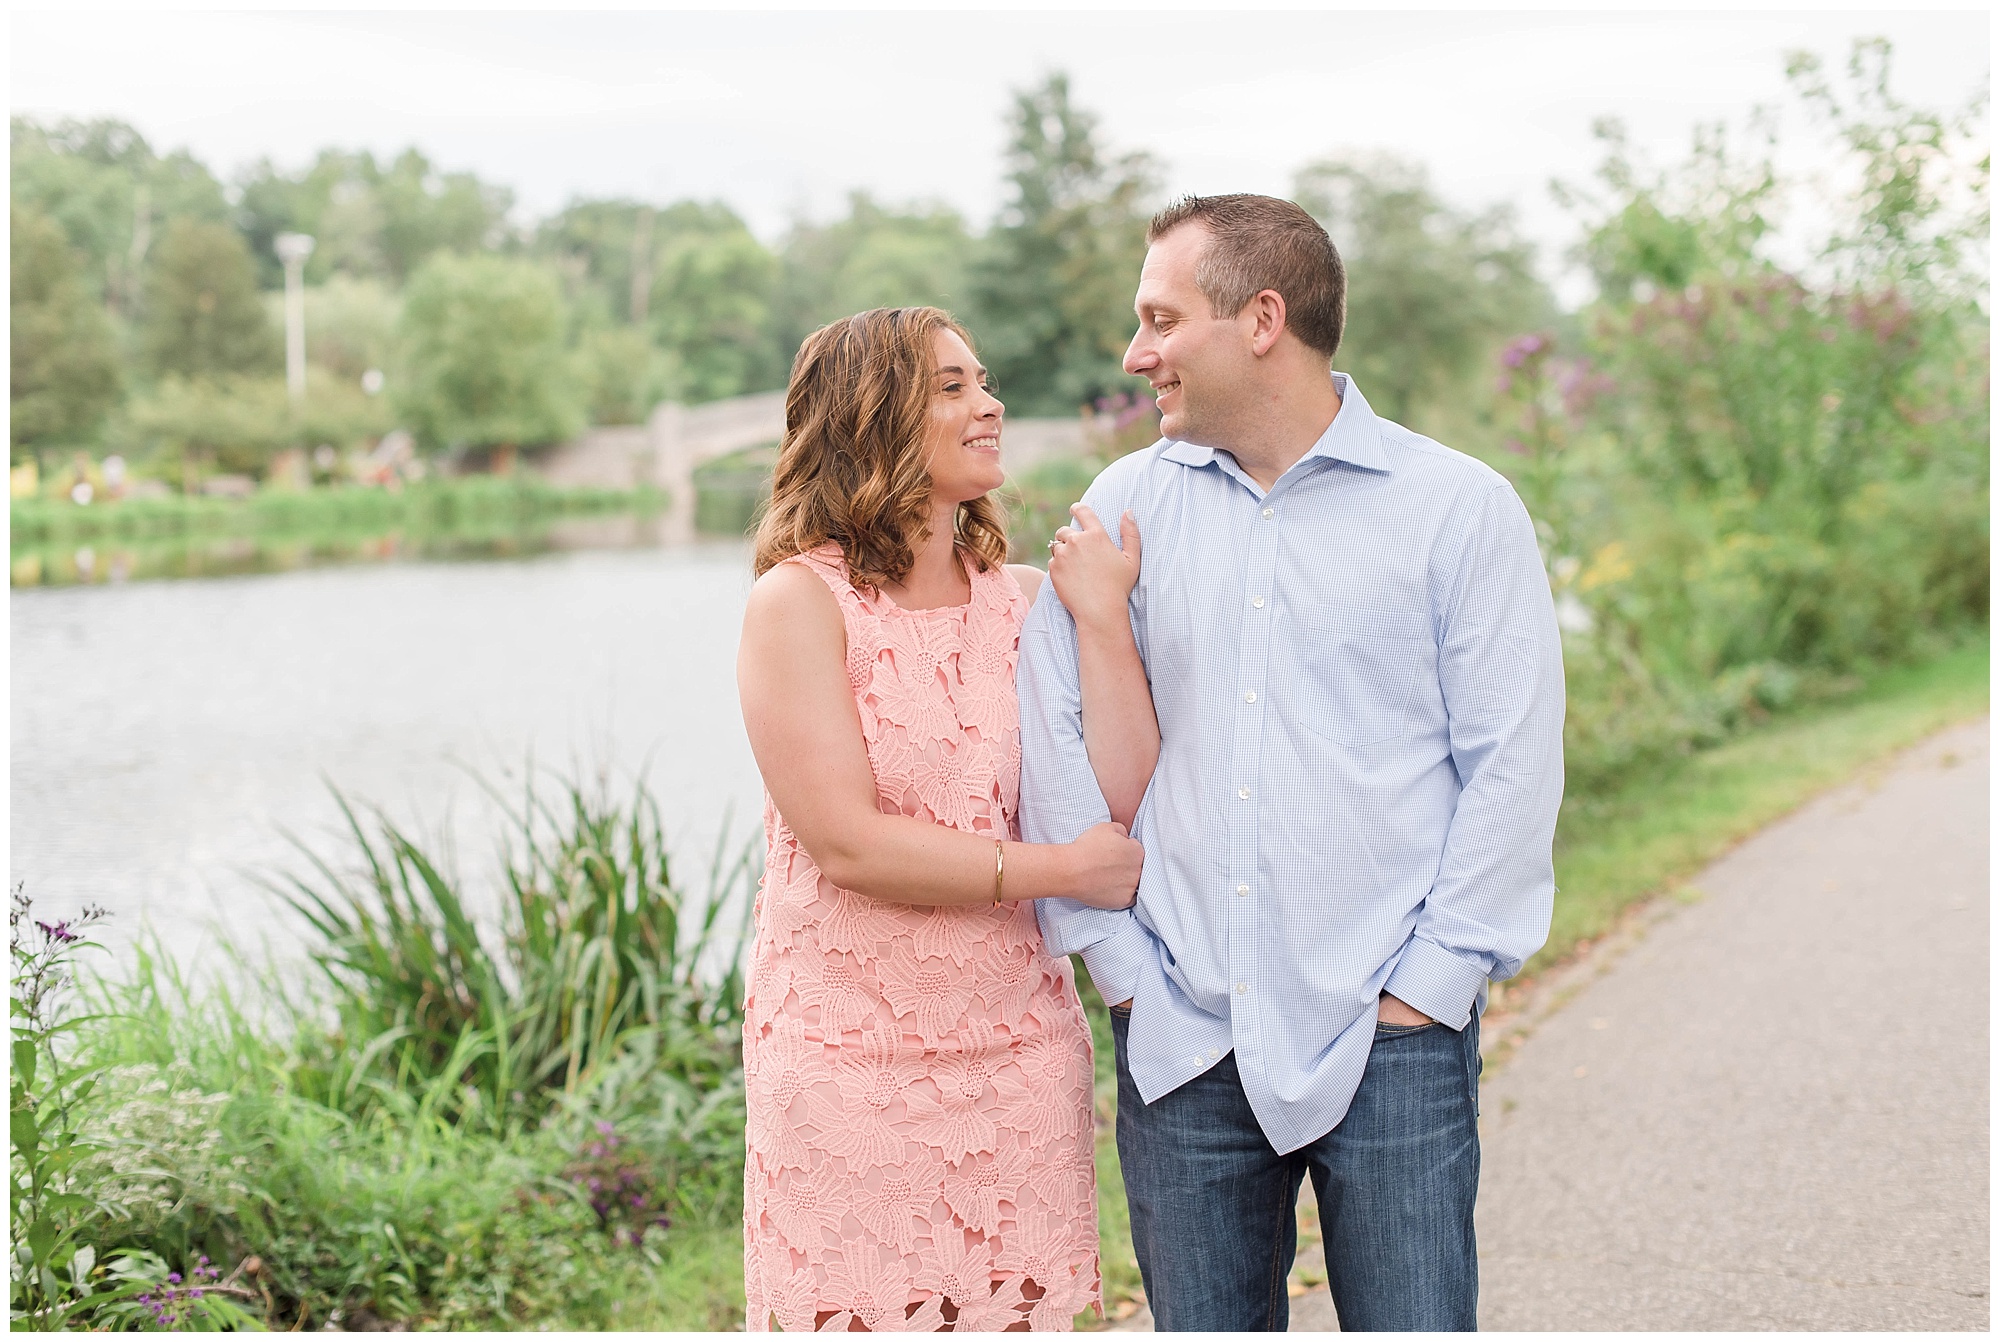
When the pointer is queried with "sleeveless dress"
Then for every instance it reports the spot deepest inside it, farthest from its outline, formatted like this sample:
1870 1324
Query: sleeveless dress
919 1078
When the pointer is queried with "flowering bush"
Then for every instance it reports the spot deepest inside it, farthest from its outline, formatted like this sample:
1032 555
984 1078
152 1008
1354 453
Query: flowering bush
1753 480
621 1185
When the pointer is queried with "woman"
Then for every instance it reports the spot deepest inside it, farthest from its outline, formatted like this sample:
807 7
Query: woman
919 1068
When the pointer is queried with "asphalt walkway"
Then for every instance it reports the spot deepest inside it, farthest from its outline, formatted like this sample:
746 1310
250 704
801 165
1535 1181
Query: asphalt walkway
1771 1112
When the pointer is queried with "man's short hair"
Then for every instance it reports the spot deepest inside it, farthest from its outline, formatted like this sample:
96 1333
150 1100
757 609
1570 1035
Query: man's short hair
1258 243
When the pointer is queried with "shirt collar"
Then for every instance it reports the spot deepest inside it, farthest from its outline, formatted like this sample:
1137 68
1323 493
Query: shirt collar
1355 436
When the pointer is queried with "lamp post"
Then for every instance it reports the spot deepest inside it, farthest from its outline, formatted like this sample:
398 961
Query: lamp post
293 249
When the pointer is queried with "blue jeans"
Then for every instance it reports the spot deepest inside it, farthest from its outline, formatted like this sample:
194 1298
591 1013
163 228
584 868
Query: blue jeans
1214 1207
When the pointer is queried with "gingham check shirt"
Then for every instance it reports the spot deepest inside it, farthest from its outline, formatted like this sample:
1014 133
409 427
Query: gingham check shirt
1360 693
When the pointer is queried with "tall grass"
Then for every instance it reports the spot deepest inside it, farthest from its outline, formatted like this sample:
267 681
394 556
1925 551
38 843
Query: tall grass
599 952
439 1121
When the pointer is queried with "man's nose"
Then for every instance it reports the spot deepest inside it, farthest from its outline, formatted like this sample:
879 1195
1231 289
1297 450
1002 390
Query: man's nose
1139 354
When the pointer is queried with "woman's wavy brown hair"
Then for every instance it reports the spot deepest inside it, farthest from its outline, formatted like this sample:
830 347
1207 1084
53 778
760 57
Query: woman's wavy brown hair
851 469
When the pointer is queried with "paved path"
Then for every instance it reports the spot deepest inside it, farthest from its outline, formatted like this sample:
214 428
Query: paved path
1771 1110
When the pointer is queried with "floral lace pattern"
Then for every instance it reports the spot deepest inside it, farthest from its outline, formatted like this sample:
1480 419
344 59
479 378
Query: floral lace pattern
919 1079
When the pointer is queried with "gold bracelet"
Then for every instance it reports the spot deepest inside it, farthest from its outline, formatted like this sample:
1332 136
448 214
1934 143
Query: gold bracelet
999 868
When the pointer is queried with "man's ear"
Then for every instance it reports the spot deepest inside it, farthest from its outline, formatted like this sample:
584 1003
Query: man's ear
1267 313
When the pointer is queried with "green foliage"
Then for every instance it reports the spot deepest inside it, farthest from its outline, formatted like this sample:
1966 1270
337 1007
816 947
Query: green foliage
623 375
64 351
1755 482
184 429
50 1216
203 316
483 362
1924 213
192 427
351 326
1432 291
108 190
1038 502
370 220
606 250
875 257
440 1169
1052 290
1616 847
467 506
711 302
595 955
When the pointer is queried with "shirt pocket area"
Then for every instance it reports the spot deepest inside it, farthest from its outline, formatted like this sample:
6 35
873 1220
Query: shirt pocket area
1360 668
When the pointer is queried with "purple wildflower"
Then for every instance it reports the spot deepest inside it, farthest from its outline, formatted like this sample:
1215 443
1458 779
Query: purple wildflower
1522 348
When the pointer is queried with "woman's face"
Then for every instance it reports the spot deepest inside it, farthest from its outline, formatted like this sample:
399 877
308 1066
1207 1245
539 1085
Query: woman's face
962 441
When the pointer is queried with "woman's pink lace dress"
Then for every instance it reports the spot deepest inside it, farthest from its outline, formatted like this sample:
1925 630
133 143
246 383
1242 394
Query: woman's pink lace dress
919 1078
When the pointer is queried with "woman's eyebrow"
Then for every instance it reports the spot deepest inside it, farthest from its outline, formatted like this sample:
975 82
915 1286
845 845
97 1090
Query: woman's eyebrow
954 368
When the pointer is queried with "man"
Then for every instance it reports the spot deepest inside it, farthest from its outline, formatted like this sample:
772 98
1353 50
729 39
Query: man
1354 661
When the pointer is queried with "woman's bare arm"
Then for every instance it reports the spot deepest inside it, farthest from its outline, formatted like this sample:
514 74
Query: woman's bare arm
1121 733
799 711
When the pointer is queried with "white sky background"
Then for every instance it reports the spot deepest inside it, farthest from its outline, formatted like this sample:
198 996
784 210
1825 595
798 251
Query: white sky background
781 113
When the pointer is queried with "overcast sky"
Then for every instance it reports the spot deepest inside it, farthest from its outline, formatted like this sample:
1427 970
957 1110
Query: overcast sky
781 113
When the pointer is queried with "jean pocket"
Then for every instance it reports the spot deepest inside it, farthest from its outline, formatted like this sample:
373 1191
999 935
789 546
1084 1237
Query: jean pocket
1123 1011
1384 1030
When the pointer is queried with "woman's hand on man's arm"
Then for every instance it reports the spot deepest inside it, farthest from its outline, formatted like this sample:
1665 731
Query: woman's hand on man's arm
1121 734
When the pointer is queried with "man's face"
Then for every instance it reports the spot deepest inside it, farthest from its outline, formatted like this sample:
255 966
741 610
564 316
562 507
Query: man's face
1195 360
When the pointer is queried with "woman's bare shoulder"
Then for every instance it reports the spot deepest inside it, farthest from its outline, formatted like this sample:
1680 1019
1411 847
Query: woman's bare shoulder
1030 579
791 595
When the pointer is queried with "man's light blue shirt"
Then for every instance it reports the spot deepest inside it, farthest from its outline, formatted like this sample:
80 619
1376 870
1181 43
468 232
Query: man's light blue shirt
1359 686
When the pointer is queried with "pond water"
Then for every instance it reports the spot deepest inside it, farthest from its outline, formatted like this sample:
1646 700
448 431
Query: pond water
165 734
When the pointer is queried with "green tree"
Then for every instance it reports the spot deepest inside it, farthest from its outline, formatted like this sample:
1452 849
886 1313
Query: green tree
1922 213
233 423
203 315
64 351
710 302
605 251
483 357
691 275
875 257
1432 291
622 374
1053 290
369 220
351 326
1650 229
110 192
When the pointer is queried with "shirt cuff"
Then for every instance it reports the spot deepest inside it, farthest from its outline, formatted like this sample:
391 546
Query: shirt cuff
1442 985
1118 962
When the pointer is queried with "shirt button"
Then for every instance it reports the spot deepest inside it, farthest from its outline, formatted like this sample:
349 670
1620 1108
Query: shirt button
1250 696
1242 890
1244 793
1242 987
1214 1053
1269 512
1257 601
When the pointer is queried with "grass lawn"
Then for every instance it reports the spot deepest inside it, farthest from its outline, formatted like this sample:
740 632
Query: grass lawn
1614 851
